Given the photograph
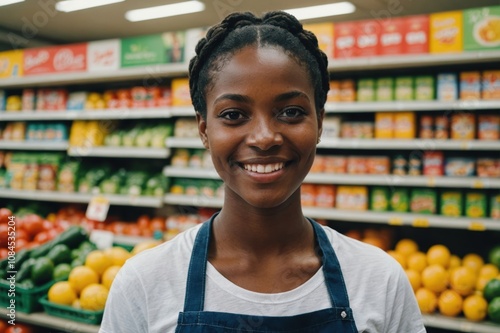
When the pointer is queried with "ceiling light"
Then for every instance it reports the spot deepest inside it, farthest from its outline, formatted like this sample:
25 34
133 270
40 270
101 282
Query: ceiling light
73 5
174 9
332 9
9 2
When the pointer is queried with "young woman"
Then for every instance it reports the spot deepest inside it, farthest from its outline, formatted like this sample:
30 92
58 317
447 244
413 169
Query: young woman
259 87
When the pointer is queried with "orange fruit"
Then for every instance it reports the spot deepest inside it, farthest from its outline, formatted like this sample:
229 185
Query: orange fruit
109 275
474 261
489 271
399 257
406 247
94 297
145 246
475 308
118 255
463 280
450 303
417 261
375 241
482 282
414 278
455 262
435 278
82 276
98 261
62 293
427 300
439 255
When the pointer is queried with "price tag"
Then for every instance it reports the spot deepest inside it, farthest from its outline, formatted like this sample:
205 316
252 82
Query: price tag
465 145
396 221
431 181
421 223
477 226
97 209
478 184
102 239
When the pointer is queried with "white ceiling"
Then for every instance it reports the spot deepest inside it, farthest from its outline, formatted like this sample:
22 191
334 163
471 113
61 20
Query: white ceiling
35 22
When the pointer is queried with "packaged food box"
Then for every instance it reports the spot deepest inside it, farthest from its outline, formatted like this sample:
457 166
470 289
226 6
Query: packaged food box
356 165
3 98
308 195
475 204
379 199
405 90
459 167
488 167
447 87
470 85
424 88
404 125
333 94
331 127
384 90
345 40
378 165
51 100
423 201
441 128
482 28
416 34
347 91
366 90
488 127
399 165
180 92
76 101
451 203
384 125
491 81
415 164
426 127
181 158
367 38
28 99
356 130
352 197
324 33
400 199
335 164
495 206
446 32
325 196
392 36
433 163
463 126
318 165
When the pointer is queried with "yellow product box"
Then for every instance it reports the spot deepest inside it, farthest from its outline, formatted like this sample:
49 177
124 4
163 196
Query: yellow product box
404 125
475 204
463 126
384 125
334 92
446 32
180 92
451 203
352 198
491 85
11 64
324 33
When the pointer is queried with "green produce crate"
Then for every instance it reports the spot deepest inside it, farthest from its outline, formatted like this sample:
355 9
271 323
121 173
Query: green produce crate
26 299
67 312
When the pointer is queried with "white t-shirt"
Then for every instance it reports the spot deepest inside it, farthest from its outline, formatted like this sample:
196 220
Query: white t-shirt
148 292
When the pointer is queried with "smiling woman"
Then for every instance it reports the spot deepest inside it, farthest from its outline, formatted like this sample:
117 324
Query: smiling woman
259 87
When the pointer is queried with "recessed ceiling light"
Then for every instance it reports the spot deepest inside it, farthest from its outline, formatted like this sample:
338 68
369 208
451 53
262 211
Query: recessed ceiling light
339 8
73 5
173 9
9 2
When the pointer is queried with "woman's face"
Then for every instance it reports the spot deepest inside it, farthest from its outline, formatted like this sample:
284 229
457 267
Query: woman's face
261 126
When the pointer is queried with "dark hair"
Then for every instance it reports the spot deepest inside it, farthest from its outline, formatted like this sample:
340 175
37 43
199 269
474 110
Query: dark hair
238 30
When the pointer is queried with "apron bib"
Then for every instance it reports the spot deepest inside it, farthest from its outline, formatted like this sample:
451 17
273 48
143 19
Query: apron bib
338 318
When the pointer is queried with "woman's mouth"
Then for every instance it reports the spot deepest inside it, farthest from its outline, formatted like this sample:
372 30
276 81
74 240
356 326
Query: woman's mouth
264 168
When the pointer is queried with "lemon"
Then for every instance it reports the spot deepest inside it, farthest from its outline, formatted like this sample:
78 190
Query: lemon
427 300
450 303
475 308
489 271
414 278
118 255
439 255
62 293
455 262
109 275
417 261
94 297
435 278
98 261
406 247
463 280
473 261
82 276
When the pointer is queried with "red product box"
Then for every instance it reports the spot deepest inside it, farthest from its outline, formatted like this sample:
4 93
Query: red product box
392 36
433 163
417 34
345 40
356 165
55 59
51 100
367 38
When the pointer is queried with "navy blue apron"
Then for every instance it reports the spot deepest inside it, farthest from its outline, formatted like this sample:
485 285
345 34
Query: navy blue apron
338 318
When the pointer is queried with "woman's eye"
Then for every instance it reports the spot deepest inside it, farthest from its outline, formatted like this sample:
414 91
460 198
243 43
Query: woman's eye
231 115
291 113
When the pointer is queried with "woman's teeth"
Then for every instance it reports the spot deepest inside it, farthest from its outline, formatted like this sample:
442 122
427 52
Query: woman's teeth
263 168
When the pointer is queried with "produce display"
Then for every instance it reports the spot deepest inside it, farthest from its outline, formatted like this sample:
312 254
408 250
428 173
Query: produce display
210 188
191 158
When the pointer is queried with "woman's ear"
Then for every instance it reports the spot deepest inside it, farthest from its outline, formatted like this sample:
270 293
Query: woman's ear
202 130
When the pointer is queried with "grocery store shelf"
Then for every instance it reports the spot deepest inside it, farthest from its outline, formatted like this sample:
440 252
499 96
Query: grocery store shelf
114 199
44 320
151 74
29 145
170 171
127 152
346 107
182 111
409 144
459 324
129 240
184 143
409 219
190 200
413 60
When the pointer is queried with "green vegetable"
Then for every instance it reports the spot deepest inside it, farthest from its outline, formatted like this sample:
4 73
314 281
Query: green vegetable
61 272
59 254
72 237
25 271
42 271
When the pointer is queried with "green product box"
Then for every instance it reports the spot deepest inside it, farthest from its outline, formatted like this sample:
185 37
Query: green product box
475 204
405 90
495 206
379 199
366 90
482 28
423 201
400 200
384 89
424 88
451 203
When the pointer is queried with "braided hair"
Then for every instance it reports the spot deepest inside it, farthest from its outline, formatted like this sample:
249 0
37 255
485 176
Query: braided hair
239 30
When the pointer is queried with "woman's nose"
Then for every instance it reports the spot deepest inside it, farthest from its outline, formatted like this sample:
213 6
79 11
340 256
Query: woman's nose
264 134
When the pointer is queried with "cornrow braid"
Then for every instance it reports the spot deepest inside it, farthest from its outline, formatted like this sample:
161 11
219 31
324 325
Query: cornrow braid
239 30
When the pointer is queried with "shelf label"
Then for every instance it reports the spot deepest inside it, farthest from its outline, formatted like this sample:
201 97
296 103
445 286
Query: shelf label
431 181
97 209
477 226
421 222
465 145
103 239
395 221
478 184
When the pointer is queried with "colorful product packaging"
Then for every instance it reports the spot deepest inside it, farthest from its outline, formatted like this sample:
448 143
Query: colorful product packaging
384 89
392 36
352 197
308 195
404 88
356 165
463 126
426 127
459 167
180 92
475 204
441 130
366 90
488 127
367 38
3 98
481 28
345 40
404 125
379 199
470 85
416 34
399 165
446 32
378 165
331 127
384 125
447 87
433 163
318 165
347 91
423 201
324 32
495 206
400 199
488 167
325 196
451 203
335 164
424 88
334 92
491 84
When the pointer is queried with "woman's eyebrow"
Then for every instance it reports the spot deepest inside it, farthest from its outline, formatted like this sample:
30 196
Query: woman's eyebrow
233 97
290 95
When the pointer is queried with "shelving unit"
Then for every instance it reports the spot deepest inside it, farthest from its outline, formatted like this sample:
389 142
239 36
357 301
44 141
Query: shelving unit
29 145
356 107
125 152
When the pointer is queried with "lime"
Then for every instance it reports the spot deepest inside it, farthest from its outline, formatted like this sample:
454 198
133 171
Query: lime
42 271
494 310
492 289
494 256
61 272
